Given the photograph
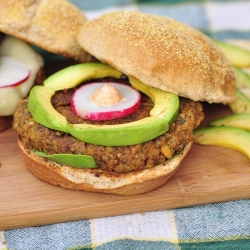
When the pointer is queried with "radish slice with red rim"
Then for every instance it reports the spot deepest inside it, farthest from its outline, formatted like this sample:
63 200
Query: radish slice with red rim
7 67
82 105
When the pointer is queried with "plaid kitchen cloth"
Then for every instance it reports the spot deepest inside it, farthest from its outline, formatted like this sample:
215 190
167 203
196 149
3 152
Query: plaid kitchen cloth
213 226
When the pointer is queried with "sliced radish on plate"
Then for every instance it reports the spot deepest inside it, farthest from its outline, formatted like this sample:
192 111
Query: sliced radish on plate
105 101
12 72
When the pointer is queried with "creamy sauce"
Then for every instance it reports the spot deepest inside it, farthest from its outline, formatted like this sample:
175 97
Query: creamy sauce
107 95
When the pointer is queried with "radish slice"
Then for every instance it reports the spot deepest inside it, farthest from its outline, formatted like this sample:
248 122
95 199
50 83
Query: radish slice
26 55
12 72
82 105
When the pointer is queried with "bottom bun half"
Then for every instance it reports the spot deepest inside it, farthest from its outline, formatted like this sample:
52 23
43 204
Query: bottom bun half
94 180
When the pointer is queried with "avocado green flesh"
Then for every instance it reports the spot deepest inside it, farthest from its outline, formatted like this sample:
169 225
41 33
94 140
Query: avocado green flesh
120 135
236 120
228 137
167 112
72 76
242 78
164 112
241 103
77 161
43 112
238 56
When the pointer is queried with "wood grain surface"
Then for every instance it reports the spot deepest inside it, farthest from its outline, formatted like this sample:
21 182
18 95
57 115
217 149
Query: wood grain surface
208 174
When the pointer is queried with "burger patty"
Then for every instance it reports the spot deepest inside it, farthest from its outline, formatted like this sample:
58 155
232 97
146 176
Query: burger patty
120 159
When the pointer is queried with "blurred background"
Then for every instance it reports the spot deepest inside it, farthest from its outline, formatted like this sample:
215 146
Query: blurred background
220 19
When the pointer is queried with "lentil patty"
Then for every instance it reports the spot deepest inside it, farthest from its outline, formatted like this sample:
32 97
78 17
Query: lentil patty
112 159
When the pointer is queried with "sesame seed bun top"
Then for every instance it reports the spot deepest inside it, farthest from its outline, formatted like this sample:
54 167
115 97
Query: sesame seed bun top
51 25
162 53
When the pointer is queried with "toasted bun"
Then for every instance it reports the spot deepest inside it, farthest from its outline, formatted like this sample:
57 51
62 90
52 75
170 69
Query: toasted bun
51 25
5 122
161 52
95 181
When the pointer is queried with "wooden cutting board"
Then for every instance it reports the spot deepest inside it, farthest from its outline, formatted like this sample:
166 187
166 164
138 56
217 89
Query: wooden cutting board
207 175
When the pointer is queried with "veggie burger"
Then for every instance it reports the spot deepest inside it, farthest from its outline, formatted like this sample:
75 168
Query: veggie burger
124 123
51 25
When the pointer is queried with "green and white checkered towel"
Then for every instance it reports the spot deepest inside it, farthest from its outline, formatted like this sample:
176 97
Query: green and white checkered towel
221 19
213 226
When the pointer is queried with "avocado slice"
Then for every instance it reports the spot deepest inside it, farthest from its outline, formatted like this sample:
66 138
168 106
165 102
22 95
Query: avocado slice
43 112
238 56
241 103
235 120
72 76
77 161
164 112
159 98
228 137
120 135
242 78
